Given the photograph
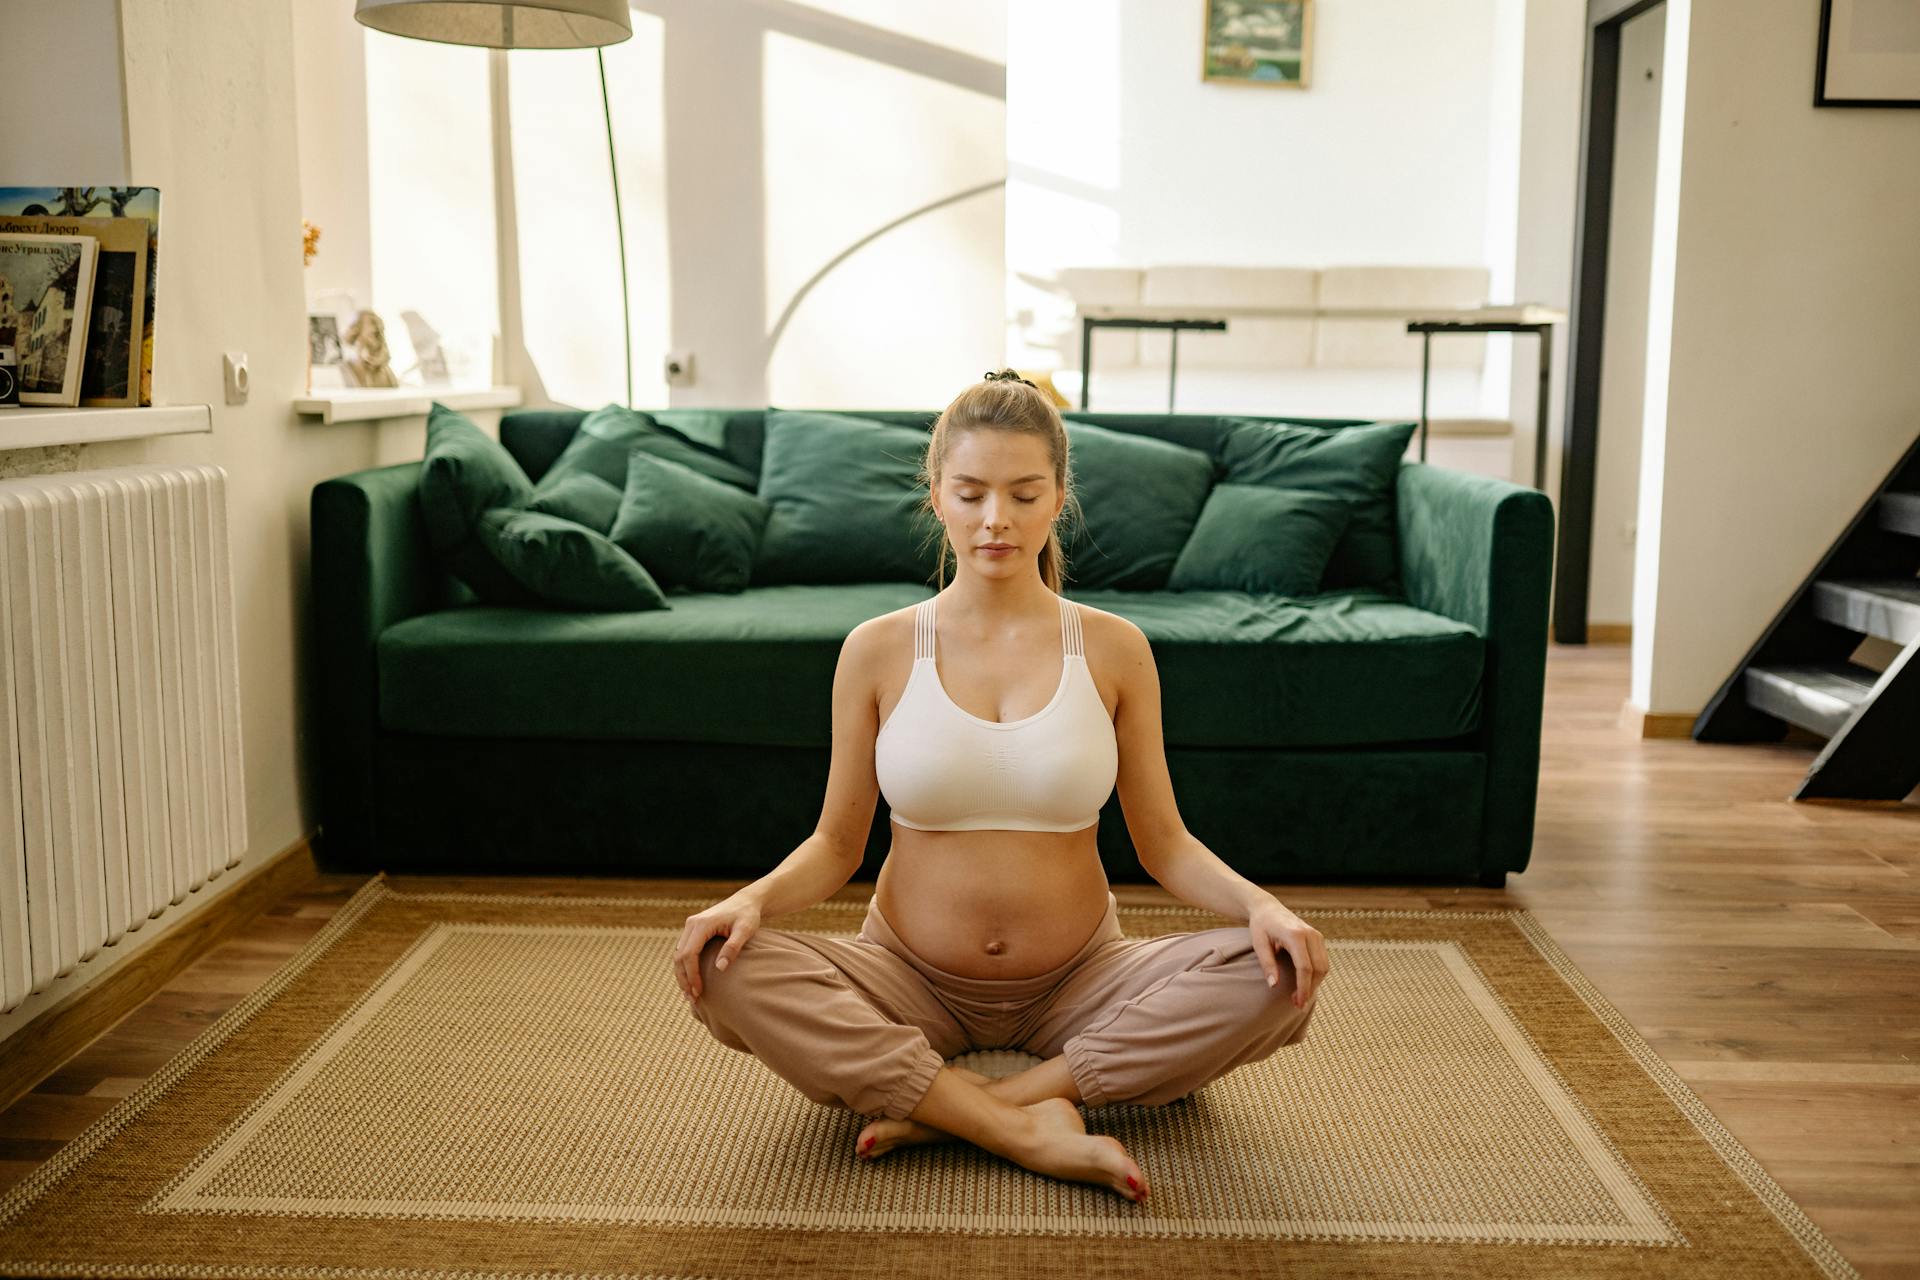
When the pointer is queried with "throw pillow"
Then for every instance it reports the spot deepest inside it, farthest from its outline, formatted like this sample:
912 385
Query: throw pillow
579 496
1139 499
1259 539
567 564
846 501
689 530
465 473
1359 464
606 436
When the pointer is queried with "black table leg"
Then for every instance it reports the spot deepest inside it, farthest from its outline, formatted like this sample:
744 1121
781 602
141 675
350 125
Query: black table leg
1540 412
1426 366
1173 368
1086 360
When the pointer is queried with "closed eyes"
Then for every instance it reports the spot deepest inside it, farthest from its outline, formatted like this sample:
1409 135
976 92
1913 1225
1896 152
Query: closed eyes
976 498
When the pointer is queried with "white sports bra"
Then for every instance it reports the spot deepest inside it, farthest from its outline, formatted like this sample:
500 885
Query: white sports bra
945 769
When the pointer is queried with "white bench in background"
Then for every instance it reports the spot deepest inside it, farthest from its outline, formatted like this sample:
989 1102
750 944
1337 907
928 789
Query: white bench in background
1312 365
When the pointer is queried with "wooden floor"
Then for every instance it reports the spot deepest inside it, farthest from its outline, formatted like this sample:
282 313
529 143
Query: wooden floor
1768 950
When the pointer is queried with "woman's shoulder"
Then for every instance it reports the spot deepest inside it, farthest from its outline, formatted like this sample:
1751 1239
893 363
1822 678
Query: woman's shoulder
1108 630
876 638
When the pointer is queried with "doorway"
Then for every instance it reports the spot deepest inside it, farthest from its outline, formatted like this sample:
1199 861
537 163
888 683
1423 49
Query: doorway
1599 493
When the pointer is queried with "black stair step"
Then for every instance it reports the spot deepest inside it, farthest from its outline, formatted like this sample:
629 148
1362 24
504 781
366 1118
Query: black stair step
1819 696
1887 607
1900 512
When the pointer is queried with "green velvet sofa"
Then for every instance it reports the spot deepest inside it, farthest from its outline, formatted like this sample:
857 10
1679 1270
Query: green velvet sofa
1353 735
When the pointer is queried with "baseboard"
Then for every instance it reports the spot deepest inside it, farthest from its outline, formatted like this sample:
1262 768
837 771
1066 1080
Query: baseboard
1657 724
1609 633
34 1052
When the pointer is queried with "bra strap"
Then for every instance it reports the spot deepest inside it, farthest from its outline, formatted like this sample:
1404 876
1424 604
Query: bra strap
923 629
1072 640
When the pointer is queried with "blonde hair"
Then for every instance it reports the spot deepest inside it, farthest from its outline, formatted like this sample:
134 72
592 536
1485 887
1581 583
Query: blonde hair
1006 402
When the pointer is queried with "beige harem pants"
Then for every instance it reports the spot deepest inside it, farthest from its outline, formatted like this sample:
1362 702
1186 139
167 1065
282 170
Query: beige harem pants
866 1023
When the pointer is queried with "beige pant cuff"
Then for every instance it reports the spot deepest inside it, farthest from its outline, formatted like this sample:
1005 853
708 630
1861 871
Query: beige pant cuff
1086 1076
907 1094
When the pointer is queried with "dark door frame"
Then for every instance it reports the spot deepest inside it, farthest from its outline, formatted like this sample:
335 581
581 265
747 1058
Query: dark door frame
1586 333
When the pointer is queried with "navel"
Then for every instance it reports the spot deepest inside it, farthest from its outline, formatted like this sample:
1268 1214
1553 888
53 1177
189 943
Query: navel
995 947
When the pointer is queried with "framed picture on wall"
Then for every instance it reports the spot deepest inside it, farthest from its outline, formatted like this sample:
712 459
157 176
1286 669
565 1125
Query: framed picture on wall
1869 54
1267 42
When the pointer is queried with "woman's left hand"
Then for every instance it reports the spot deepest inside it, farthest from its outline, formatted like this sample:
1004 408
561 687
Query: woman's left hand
1275 928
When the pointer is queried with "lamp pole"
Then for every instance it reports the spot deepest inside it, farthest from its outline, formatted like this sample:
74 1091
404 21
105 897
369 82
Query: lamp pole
619 222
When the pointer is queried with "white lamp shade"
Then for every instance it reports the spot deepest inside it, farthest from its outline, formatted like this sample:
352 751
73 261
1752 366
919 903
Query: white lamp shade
502 24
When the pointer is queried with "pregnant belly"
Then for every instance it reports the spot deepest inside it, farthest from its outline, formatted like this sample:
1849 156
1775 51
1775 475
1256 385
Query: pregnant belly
993 904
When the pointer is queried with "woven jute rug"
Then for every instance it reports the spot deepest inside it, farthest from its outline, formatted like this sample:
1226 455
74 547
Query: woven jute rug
469 1084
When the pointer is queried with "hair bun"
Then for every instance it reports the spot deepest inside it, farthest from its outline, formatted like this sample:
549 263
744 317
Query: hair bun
1008 375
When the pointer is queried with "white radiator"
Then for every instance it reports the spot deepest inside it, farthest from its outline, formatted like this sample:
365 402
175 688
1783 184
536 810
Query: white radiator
120 784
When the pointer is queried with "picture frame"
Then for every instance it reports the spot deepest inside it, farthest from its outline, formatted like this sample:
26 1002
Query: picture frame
1258 42
1869 54
326 352
46 295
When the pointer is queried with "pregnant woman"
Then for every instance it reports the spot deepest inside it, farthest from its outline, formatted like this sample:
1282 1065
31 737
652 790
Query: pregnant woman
997 717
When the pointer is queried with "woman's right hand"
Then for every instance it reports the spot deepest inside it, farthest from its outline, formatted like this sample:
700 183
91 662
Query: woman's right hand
735 918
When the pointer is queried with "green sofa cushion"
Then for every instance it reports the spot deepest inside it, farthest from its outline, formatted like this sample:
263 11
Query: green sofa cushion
1139 500
689 530
846 502
1254 538
1359 464
607 435
579 496
464 473
1236 670
566 564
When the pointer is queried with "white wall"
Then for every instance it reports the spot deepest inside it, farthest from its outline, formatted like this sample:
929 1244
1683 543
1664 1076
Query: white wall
1554 50
1119 153
49 142
1792 292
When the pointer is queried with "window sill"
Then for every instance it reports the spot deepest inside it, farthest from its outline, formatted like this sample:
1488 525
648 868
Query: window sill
36 426
368 404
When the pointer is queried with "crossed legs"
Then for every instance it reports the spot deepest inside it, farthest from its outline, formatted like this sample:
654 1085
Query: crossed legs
1142 1020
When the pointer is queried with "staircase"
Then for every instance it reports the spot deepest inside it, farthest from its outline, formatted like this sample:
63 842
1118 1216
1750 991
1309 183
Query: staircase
1800 672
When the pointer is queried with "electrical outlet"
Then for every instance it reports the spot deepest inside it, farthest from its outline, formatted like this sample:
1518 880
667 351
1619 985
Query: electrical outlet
236 377
679 368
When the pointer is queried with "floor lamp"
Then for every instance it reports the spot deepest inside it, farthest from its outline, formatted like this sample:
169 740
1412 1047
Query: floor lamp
534 24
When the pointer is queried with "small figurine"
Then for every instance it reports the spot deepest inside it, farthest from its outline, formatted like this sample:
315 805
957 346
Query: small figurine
368 364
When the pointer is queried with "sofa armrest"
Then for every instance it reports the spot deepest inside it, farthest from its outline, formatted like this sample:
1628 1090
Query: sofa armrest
1480 551
371 567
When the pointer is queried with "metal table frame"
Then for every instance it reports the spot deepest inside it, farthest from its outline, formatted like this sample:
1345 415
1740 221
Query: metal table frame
1544 331
1089 323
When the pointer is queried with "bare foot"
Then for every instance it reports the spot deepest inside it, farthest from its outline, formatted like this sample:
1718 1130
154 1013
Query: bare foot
883 1135
1062 1148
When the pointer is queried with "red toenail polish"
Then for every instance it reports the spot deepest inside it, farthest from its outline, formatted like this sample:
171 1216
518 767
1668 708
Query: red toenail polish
1132 1183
